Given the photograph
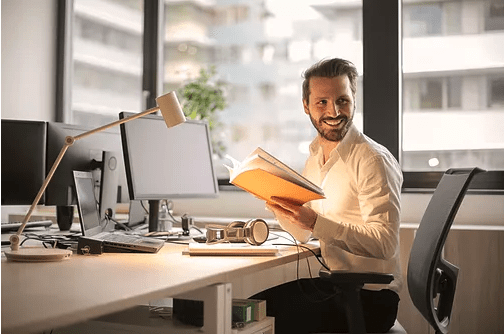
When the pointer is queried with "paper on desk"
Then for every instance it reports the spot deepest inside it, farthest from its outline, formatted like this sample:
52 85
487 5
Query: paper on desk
195 248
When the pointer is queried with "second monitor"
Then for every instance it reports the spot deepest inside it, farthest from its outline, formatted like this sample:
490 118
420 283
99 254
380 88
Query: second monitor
166 163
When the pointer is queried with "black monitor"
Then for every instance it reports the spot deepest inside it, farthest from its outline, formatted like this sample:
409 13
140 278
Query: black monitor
23 161
99 152
165 163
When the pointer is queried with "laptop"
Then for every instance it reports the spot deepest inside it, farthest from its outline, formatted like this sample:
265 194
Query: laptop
112 241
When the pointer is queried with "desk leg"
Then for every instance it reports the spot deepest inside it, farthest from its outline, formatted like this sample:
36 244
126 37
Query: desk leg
217 307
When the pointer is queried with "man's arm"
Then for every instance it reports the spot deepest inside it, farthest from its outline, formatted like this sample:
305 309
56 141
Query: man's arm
378 192
295 219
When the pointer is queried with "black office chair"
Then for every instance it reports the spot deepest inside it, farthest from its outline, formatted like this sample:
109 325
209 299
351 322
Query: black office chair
431 279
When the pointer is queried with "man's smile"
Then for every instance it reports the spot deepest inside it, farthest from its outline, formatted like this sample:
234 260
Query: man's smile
334 122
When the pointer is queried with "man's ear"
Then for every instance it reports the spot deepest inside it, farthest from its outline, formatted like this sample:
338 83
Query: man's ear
305 107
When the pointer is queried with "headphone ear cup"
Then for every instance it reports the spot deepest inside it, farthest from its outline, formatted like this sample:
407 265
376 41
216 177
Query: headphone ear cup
259 231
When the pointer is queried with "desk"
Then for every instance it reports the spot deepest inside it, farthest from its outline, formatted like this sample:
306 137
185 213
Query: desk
42 296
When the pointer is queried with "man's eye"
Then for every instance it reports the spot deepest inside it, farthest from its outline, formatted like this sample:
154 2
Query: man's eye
322 102
342 101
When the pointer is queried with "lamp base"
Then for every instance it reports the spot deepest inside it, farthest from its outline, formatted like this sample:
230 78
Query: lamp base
38 254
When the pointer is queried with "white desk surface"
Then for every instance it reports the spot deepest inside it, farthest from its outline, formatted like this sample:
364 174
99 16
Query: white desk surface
41 296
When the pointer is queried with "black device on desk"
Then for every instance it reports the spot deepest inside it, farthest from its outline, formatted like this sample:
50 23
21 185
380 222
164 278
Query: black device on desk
23 161
165 163
29 148
100 154
94 235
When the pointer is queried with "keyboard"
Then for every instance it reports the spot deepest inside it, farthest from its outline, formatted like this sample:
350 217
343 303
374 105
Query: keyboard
14 226
135 239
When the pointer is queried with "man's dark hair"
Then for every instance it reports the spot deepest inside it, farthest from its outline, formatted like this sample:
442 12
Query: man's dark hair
329 68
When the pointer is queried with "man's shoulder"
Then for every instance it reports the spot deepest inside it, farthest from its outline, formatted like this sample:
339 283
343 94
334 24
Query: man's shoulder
367 152
366 148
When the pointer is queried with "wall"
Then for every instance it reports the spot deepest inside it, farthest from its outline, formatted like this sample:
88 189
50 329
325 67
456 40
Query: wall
28 59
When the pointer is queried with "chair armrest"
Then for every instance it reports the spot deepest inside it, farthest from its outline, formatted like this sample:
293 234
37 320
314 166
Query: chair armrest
345 277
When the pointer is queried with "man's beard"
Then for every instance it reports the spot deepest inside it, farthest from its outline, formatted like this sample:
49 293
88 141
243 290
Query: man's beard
332 134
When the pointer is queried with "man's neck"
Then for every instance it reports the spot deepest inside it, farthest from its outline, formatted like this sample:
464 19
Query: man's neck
327 147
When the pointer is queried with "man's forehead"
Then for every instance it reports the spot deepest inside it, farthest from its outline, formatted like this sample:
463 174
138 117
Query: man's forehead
340 83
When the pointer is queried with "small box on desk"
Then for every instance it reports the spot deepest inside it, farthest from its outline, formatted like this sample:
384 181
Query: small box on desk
258 308
243 310
190 312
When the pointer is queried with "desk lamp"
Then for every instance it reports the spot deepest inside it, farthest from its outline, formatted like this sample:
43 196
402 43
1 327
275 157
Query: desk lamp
173 115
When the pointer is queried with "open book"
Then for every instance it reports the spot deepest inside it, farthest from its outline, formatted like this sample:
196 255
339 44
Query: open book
264 176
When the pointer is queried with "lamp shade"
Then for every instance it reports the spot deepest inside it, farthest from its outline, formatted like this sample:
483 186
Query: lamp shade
170 109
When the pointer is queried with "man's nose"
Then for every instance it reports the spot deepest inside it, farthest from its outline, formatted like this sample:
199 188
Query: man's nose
334 109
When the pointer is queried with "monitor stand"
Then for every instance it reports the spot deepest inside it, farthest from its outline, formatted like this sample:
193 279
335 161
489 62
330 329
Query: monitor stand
153 215
64 216
109 181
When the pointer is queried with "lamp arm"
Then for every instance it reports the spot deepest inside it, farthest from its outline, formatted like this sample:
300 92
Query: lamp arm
14 239
119 121
69 141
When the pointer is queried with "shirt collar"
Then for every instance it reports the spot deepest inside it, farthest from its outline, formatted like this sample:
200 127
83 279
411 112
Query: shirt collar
344 146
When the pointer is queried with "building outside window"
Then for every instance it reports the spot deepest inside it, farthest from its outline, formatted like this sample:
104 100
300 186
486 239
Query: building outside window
453 61
106 60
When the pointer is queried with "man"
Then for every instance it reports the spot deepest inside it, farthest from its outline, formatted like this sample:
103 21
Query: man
357 223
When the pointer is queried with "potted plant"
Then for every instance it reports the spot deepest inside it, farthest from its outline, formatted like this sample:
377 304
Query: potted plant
201 99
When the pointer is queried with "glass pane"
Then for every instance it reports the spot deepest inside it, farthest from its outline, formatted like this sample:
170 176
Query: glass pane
259 50
107 60
453 85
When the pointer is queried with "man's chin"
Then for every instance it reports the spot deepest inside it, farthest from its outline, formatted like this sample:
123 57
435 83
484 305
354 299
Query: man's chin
335 134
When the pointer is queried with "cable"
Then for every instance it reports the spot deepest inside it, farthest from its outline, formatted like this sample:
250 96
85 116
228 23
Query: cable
312 281
178 242
108 218
197 229
143 207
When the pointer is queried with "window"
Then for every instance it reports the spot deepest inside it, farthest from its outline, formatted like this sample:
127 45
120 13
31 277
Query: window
441 93
496 89
423 20
494 16
447 121
106 60
260 51
451 73
431 94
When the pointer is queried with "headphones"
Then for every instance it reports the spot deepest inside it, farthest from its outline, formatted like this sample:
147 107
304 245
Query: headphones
255 232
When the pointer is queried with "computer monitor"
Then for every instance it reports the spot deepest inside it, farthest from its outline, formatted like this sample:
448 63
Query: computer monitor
100 153
165 163
23 161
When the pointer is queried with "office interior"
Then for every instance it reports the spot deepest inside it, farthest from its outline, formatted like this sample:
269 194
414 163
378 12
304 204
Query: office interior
476 242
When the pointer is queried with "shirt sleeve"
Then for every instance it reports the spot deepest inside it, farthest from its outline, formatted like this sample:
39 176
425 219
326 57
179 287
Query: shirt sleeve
301 235
378 184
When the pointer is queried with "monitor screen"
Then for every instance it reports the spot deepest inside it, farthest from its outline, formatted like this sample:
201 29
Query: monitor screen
23 161
166 163
86 203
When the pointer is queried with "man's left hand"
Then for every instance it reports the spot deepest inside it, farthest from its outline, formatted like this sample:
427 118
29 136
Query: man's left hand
298 215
